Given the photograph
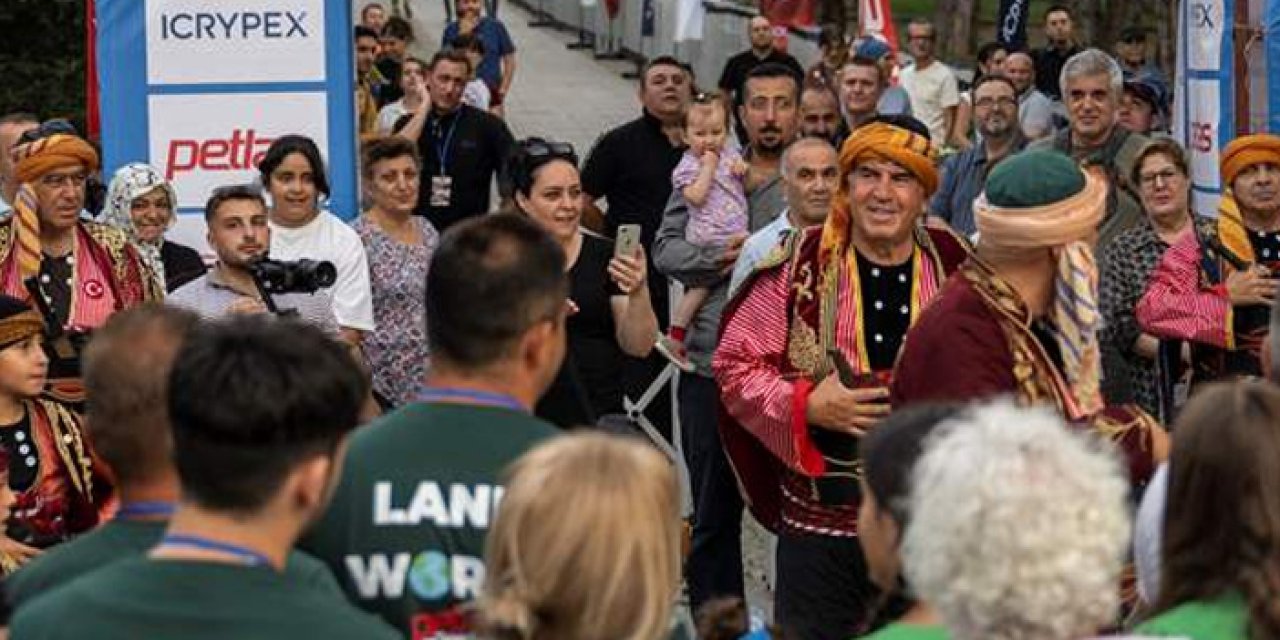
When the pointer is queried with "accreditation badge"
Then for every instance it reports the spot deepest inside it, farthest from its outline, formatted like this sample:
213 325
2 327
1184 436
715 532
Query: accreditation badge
441 191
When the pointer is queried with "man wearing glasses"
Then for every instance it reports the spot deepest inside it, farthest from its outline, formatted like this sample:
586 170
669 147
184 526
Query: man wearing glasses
85 271
995 112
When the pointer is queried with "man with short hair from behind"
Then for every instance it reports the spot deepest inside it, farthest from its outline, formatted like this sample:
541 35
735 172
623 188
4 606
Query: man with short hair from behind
12 126
238 233
126 376
262 409
405 532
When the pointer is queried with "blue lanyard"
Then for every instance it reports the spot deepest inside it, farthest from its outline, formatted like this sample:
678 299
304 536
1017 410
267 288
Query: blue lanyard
442 151
244 554
470 396
144 509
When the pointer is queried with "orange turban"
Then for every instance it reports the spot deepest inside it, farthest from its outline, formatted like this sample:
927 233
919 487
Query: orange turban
877 141
1246 151
33 160
36 158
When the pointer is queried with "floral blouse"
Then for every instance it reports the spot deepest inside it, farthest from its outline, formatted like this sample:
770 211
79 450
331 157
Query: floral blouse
397 349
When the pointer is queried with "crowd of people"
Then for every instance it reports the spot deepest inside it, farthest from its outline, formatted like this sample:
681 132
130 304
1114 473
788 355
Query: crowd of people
975 397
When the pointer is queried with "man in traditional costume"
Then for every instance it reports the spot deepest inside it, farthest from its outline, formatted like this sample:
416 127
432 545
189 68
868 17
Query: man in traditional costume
58 486
1021 316
85 271
805 352
1213 288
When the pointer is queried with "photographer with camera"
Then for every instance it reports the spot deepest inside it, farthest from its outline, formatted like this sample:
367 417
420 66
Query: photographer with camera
292 170
243 280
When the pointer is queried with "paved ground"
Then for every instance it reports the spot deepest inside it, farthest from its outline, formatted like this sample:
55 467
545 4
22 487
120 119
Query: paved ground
558 93
569 96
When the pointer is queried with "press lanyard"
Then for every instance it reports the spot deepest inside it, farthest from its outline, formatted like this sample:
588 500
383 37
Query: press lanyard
442 150
470 396
244 554
144 509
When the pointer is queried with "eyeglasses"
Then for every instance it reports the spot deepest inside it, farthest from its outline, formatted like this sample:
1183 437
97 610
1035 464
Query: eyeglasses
539 149
1149 180
48 128
1002 101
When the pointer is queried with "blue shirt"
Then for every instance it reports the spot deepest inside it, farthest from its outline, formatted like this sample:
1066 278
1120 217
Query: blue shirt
757 247
497 43
964 176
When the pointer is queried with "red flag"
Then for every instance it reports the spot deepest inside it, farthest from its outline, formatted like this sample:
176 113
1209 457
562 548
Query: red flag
788 13
875 18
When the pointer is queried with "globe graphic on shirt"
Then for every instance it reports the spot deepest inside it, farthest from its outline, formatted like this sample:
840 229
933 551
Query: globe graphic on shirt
429 575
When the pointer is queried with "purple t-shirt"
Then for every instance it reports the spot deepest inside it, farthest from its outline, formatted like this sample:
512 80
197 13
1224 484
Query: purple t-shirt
724 214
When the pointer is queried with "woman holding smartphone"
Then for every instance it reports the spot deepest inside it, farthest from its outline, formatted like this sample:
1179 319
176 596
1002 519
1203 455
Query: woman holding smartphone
613 314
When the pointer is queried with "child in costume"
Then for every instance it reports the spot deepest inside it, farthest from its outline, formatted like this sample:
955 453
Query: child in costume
58 487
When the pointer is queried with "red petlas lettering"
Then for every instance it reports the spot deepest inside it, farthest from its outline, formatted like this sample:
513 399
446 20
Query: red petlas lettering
243 150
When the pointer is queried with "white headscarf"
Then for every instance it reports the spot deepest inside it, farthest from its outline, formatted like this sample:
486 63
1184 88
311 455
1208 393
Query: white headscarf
131 181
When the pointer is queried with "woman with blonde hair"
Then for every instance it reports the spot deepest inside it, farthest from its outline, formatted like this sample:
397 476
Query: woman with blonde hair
586 545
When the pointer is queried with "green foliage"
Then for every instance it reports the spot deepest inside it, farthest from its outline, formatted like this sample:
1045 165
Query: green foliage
42 58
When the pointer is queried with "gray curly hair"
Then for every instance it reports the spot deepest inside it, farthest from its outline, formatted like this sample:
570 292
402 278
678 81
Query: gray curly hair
1019 527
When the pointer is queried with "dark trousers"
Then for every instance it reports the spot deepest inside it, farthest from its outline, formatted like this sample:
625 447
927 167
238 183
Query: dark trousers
714 567
823 590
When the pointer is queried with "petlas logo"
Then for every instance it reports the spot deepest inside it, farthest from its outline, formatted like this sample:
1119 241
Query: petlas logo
233 25
241 151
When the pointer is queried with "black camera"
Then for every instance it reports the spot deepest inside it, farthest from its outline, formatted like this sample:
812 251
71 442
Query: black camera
302 276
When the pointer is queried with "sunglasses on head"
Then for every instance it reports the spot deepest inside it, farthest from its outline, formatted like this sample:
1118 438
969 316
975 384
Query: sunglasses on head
547 148
48 128
707 97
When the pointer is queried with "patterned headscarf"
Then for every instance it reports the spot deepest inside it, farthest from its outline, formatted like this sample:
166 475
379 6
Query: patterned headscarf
1046 201
31 162
131 181
876 141
18 321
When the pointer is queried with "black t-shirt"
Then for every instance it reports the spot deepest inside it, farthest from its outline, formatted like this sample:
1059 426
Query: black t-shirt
591 373
391 91
736 70
630 167
474 144
182 264
1048 63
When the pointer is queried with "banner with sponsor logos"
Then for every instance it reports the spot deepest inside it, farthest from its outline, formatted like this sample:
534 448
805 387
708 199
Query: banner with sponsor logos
199 90
1204 101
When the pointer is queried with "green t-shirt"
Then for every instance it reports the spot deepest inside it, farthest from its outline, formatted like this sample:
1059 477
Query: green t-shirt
405 532
193 600
1221 619
901 631
121 539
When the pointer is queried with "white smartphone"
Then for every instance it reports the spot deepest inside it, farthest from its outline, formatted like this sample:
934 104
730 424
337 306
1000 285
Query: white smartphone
628 239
